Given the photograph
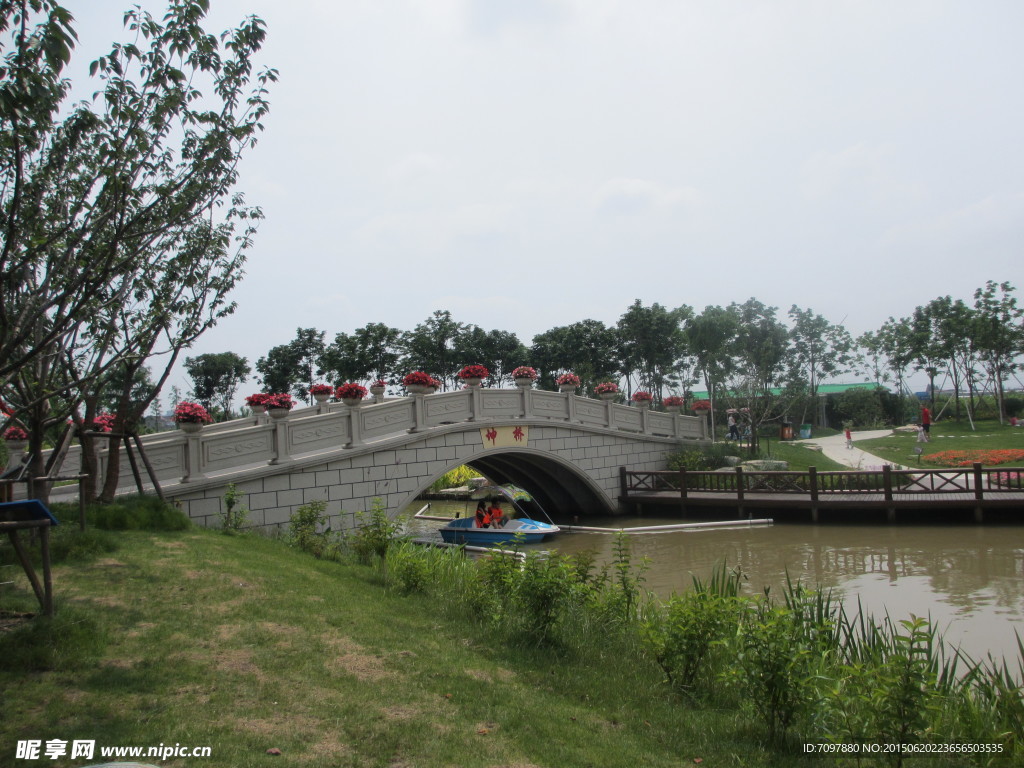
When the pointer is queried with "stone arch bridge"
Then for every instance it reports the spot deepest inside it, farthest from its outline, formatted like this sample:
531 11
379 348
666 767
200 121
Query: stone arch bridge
564 449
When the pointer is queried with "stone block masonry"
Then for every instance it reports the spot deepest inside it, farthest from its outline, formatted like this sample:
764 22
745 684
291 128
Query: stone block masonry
398 469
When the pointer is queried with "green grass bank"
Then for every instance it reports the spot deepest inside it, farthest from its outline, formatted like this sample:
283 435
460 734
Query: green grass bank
245 644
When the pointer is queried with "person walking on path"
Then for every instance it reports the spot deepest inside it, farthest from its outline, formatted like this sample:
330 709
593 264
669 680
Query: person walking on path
849 439
926 423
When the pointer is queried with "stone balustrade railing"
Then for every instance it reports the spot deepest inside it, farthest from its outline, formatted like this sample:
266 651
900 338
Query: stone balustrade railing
258 441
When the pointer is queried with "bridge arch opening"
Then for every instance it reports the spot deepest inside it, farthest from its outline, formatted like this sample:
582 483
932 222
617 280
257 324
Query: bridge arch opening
562 489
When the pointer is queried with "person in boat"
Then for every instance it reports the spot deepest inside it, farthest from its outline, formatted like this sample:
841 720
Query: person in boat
483 518
497 516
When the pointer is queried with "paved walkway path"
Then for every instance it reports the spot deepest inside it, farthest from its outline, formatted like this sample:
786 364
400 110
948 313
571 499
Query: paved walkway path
834 446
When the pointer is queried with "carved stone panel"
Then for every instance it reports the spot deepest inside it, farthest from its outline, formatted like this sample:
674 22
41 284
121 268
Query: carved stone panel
589 412
500 403
387 418
624 417
447 408
167 460
551 404
660 423
330 431
231 450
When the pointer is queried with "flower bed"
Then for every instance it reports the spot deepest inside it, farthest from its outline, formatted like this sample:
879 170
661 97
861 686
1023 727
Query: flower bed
640 396
321 389
674 401
606 388
567 379
967 458
259 399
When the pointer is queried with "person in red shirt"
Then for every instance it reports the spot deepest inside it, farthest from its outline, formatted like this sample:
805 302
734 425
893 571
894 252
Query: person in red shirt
926 422
483 520
497 516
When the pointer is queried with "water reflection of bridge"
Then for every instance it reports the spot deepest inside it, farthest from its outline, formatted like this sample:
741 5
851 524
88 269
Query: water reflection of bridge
861 495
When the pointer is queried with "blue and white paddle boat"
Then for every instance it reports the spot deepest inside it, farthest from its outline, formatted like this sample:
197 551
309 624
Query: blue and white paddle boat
465 530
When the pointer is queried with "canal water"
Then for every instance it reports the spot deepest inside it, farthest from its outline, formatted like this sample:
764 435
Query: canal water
968 578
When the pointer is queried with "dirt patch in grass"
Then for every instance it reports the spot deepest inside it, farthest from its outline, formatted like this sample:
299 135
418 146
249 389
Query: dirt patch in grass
169 544
288 724
140 629
191 695
238 660
398 712
328 747
120 662
107 601
232 660
227 631
348 657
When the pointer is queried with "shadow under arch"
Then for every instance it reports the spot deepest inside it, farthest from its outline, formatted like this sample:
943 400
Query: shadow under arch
561 488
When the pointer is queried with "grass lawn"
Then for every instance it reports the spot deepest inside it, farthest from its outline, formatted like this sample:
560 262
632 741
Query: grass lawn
900 447
242 644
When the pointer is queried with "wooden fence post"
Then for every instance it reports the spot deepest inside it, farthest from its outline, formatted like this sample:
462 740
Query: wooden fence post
979 493
812 473
682 490
890 512
739 490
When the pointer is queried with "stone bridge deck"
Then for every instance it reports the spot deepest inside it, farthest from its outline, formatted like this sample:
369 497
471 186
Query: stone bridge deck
564 448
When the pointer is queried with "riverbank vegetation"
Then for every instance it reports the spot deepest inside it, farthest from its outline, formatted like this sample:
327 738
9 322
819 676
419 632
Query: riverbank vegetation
423 657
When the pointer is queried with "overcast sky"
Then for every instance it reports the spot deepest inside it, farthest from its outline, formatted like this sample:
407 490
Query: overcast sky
532 163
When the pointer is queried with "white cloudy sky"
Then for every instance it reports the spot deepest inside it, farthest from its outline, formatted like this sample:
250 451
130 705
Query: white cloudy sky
531 163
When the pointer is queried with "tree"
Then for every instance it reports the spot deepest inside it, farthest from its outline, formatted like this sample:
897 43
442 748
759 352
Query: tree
651 343
215 377
371 352
118 221
586 348
710 337
897 341
943 345
819 349
430 347
88 195
760 352
998 334
500 351
295 366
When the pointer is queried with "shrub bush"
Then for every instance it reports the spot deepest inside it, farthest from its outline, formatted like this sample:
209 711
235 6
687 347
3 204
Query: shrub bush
309 531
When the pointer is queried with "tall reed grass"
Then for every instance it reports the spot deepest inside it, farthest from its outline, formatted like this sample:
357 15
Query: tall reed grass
798 664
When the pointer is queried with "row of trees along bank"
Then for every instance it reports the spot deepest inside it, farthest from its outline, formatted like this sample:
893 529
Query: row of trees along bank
745 355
